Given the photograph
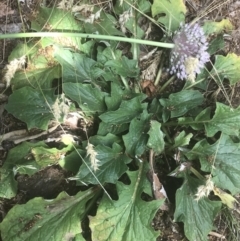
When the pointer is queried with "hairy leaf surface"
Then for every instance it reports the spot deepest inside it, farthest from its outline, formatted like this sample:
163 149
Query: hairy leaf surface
135 140
181 102
226 120
19 160
197 216
55 18
112 164
212 27
128 218
41 219
39 78
77 68
32 106
222 160
126 112
172 12
156 141
90 99
227 67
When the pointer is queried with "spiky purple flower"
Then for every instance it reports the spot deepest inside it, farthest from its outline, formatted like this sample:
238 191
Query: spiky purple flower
190 51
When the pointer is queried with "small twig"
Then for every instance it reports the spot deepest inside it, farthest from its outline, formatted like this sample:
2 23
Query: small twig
27 138
2 86
217 235
151 156
12 136
148 55
158 189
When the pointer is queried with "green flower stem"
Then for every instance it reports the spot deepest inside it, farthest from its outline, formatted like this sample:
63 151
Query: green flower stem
167 134
85 35
135 45
176 123
156 82
140 174
124 80
193 84
98 192
197 174
125 83
166 84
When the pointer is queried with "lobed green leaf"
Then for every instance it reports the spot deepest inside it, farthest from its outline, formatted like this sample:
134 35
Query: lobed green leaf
172 13
227 67
77 68
180 103
32 106
136 139
212 27
91 100
225 119
38 78
54 18
127 111
19 160
220 159
112 164
50 220
197 216
128 218
105 25
124 67
156 137
182 139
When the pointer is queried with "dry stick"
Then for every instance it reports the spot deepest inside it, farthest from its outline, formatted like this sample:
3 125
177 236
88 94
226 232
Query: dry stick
151 156
158 189
27 138
9 135
217 235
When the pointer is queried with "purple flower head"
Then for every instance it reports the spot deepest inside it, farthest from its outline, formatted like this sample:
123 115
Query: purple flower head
190 44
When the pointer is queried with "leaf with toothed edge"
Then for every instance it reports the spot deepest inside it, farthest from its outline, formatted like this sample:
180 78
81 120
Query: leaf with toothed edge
222 160
112 164
172 12
128 218
51 220
197 216
32 106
